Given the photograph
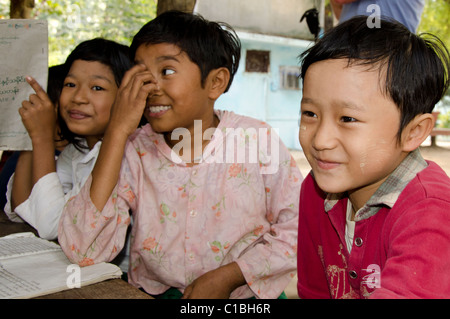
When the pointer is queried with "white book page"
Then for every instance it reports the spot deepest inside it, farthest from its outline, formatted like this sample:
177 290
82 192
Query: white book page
24 244
43 272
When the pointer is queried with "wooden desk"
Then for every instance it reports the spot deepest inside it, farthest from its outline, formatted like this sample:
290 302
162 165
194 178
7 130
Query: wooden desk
7 227
110 289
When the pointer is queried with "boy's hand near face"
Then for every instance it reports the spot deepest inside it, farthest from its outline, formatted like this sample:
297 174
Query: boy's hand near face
131 99
126 114
216 284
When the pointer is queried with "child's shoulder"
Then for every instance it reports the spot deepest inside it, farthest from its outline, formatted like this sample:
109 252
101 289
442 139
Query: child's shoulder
230 119
431 183
311 191
141 132
423 208
144 137
435 179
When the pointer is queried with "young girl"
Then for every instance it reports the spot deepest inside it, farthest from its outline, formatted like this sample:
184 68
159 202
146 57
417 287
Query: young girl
209 226
40 187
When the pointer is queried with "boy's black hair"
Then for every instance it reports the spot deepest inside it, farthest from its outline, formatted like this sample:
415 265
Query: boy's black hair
210 45
112 54
416 67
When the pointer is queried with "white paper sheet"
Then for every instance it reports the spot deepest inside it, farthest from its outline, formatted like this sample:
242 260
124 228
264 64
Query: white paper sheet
23 51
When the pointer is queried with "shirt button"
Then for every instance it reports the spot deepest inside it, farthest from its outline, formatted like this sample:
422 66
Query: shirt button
353 274
193 213
358 242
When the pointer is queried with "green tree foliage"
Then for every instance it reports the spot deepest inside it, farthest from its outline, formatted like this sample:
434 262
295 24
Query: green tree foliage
436 20
71 22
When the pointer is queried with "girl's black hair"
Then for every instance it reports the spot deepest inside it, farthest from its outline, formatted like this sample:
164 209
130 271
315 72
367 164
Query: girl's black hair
210 45
55 83
112 54
416 68
56 76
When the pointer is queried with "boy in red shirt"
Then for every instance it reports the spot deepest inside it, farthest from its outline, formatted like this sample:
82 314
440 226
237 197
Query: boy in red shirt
374 215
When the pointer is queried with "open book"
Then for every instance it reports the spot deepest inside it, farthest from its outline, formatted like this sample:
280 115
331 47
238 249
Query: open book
31 266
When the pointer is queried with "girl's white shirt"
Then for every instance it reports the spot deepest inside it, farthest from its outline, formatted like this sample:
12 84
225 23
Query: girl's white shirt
43 208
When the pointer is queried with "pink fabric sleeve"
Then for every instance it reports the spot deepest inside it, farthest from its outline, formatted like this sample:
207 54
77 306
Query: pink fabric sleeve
274 256
88 236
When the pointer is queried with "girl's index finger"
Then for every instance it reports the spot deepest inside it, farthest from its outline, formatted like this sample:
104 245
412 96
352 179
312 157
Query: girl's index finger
36 87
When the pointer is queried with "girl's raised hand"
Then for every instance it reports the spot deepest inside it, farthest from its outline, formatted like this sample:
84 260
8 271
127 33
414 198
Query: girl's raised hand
137 84
38 113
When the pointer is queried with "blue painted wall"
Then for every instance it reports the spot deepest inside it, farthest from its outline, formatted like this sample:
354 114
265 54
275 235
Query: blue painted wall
259 94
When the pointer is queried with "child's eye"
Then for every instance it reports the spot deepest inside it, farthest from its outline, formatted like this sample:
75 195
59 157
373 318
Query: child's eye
309 114
69 84
347 119
97 88
168 71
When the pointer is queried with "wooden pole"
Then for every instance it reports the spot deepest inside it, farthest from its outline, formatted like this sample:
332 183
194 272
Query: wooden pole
21 9
180 5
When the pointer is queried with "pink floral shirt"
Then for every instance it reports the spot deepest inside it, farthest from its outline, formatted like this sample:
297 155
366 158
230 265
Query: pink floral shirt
188 220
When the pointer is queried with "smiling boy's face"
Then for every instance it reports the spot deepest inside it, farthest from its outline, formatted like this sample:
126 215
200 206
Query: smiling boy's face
348 129
180 98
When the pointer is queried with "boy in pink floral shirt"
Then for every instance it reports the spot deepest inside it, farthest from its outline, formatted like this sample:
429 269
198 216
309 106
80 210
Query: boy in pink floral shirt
215 215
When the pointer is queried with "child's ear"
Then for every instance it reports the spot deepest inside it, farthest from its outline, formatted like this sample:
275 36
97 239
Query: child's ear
219 79
417 131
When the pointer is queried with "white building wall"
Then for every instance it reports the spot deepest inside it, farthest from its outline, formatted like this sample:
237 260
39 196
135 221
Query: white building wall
268 25
274 17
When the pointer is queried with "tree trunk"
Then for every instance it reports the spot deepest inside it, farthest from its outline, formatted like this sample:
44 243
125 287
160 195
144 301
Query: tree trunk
21 9
180 5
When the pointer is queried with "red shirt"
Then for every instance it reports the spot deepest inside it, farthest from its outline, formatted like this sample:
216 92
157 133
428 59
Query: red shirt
400 252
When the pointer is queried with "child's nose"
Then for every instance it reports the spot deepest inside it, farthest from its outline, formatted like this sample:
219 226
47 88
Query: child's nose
324 137
156 90
154 82
80 95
